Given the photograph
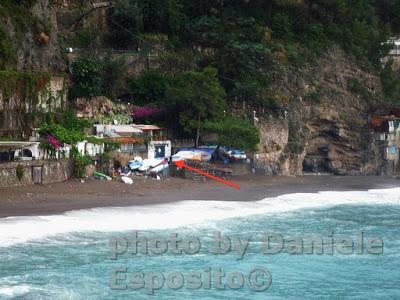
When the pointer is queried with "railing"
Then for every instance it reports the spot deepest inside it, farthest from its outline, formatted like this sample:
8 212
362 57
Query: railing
159 138
394 52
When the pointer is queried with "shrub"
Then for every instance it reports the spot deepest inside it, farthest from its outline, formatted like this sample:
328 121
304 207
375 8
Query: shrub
235 133
282 26
390 84
314 96
20 172
95 77
80 163
87 76
7 50
149 87
113 75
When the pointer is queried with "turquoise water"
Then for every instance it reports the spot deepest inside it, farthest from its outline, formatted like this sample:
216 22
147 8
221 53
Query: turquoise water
61 263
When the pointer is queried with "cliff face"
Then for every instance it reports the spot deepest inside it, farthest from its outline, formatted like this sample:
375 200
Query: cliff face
326 125
33 35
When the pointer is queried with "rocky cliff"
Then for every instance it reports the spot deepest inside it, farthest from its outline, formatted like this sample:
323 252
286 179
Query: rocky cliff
31 36
325 129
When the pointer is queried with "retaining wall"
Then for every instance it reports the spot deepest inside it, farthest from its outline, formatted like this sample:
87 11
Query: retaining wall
51 171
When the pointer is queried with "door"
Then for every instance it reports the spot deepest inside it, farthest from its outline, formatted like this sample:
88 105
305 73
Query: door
159 151
37 175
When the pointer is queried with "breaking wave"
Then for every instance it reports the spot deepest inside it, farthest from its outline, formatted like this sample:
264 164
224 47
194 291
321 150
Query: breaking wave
14 230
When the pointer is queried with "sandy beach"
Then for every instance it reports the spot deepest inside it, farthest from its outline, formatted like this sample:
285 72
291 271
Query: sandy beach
74 195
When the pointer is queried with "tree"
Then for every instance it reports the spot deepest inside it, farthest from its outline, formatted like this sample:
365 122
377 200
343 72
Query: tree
390 84
126 21
113 75
93 76
149 87
131 17
389 11
161 15
7 50
235 133
87 75
197 97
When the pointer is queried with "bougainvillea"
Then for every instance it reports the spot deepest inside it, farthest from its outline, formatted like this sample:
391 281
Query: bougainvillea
56 144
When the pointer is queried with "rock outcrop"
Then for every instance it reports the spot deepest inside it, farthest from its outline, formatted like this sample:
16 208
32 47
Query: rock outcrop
38 48
326 127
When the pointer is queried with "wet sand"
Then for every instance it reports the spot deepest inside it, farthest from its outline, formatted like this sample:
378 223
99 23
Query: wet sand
73 195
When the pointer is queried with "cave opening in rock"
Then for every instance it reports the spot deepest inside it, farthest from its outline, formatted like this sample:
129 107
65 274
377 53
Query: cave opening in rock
312 164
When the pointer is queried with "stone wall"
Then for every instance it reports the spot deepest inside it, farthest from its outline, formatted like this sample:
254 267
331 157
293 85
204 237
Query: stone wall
52 171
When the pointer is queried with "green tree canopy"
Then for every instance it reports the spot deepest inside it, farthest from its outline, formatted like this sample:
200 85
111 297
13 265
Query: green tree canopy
391 84
149 87
235 133
95 77
131 17
126 21
196 97
87 76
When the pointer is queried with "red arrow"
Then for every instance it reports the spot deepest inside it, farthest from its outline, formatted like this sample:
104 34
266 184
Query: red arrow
181 164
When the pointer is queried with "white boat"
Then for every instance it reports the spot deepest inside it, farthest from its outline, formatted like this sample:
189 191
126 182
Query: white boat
126 172
135 163
144 166
187 154
149 163
237 154
155 162
205 156
160 168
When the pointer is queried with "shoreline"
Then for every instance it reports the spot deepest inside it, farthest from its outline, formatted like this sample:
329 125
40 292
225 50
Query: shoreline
71 195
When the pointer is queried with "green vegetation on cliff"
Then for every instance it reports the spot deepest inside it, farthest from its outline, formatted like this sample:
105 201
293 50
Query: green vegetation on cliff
247 43
221 56
25 85
16 20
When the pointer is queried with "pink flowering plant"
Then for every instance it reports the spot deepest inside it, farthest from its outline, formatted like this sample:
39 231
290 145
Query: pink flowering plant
54 142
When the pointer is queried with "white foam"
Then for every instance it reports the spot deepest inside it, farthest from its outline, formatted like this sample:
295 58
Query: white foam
15 230
14 291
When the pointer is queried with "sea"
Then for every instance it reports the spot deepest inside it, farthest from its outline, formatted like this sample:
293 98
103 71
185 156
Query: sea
326 245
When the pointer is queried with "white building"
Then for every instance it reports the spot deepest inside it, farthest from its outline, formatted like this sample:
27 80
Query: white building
389 136
141 140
